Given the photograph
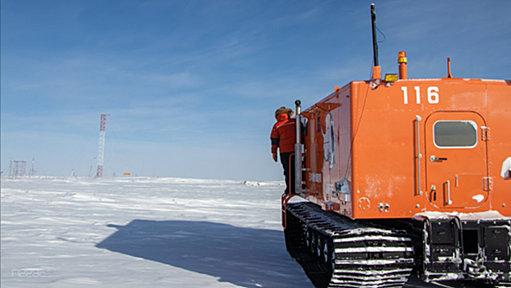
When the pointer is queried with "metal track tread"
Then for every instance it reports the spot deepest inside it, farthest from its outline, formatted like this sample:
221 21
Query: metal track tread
335 251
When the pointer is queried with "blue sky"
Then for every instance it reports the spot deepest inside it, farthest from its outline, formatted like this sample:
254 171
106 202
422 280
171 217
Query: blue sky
192 86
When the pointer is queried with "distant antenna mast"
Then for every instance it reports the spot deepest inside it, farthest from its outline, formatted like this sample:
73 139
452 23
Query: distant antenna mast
101 150
32 171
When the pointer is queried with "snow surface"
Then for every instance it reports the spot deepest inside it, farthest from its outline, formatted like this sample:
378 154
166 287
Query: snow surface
487 215
144 232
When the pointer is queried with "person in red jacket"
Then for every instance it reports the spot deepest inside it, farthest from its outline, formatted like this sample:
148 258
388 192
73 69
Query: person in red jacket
283 137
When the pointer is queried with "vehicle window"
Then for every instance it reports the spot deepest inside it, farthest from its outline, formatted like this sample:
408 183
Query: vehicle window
455 134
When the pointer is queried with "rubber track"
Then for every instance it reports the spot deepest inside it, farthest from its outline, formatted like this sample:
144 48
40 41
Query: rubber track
365 256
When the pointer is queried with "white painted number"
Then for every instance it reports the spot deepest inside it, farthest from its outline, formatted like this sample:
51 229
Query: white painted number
405 94
418 94
433 95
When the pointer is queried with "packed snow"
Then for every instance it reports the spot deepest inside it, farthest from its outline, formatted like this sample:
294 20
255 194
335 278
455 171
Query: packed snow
144 232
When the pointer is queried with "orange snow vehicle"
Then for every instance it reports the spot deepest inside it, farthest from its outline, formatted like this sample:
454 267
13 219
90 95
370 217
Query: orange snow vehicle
403 176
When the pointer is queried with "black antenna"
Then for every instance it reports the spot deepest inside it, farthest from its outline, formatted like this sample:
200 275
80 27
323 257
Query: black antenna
375 43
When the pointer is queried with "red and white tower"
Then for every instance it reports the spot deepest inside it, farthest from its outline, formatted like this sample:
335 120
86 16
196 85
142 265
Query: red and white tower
101 150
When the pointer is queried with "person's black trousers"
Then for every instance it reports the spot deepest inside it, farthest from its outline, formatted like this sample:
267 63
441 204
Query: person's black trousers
288 163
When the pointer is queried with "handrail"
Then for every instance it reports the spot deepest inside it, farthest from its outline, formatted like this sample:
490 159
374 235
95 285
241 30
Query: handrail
298 150
449 202
419 156
283 206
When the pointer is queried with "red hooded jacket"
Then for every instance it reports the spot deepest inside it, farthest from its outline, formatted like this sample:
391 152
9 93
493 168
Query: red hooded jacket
283 134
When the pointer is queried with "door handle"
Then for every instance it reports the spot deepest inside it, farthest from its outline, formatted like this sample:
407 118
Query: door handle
448 186
432 158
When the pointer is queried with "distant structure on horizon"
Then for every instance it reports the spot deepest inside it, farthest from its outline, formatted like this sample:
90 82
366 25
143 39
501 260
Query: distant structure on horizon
17 169
32 170
101 150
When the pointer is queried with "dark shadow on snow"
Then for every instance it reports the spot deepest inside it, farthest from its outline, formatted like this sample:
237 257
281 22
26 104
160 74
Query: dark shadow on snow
242 256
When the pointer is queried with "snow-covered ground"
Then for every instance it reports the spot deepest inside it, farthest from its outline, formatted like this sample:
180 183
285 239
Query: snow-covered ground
144 232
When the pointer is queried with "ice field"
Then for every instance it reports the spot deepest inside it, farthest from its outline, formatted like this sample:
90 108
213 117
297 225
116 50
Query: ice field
145 232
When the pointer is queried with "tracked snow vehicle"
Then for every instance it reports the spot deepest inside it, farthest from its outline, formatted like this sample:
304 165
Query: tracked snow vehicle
403 176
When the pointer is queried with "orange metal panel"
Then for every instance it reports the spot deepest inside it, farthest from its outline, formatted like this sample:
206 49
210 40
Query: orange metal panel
362 148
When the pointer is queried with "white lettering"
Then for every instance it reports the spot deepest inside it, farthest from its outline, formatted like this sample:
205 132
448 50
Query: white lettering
433 95
405 94
418 94
28 273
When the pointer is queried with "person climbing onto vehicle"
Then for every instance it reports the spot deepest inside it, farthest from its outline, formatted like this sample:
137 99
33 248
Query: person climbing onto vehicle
282 138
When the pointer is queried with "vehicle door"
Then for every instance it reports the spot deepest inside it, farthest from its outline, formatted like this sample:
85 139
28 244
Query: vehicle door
456 160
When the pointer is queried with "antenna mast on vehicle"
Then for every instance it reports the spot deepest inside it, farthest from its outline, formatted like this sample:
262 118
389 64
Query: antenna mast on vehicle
376 68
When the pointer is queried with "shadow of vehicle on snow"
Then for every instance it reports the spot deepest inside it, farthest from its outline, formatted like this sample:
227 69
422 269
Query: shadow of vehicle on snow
245 257
242 256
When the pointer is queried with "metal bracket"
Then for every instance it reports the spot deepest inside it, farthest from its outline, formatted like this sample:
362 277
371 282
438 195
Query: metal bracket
487 184
485 133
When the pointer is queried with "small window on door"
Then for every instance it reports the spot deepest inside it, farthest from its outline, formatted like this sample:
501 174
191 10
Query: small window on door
455 134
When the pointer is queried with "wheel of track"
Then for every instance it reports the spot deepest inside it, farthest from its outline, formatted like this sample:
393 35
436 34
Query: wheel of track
308 238
332 257
319 246
328 255
305 234
312 241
